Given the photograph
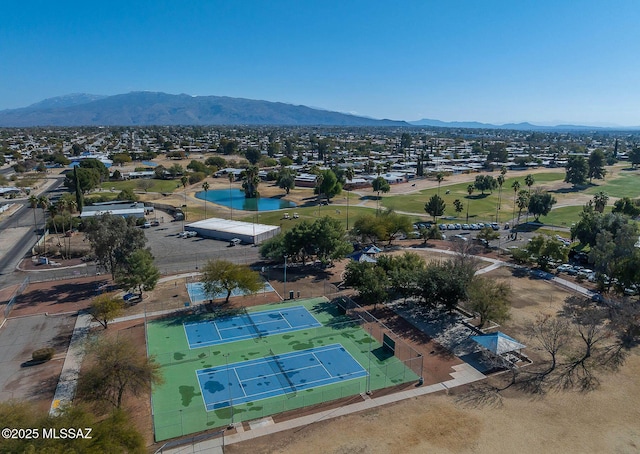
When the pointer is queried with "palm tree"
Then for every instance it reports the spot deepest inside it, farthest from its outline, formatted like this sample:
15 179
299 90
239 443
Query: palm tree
600 200
43 202
33 203
349 174
528 180
500 181
231 180
516 187
522 202
470 190
440 178
205 186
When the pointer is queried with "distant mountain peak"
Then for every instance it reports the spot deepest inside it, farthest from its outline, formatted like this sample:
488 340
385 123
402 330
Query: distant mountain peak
73 99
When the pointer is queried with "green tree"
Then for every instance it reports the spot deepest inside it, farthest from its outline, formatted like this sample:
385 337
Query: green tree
220 276
634 157
529 180
540 204
626 206
120 159
379 185
91 163
442 284
547 249
597 161
286 179
253 156
600 200
349 175
485 183
329 186
328 240
577 170
250 182
522 202
127 194
402 272
110 434
516 187
105 308
435 207
458 205
113 239
489 299
116 368
488 234
139 272
82 178
369 280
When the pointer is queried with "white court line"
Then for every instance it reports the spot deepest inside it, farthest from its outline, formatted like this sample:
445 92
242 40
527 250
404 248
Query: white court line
239 382
318 359
329 380
217 330
285 319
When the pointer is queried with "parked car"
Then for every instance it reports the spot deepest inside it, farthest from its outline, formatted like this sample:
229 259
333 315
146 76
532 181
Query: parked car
465 227
451 227
474 227
458 226
564 268
495 226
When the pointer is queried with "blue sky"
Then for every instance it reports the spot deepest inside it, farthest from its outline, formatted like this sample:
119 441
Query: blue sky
493 61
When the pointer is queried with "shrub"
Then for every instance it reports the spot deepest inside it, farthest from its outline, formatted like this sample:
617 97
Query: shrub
43 354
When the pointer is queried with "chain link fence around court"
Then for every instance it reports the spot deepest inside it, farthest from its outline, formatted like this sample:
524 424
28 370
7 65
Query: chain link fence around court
393 343
177 423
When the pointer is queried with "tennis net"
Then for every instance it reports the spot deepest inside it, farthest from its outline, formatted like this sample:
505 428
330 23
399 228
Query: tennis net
282 373
255 327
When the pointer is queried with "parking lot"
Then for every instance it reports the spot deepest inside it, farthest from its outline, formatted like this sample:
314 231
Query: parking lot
176 254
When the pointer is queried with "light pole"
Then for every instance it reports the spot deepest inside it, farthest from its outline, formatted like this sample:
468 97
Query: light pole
285 277
226 359
369 374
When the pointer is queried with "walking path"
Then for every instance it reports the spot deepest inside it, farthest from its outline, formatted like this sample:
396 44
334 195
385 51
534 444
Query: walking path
463 374
68 381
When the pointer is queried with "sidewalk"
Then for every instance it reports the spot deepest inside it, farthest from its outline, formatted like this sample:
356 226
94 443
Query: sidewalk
66 389
463 374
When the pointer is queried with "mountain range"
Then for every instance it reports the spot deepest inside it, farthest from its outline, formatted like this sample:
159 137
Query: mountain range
155 108
151 108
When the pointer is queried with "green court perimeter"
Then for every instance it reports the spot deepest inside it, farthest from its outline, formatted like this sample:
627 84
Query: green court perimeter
177 405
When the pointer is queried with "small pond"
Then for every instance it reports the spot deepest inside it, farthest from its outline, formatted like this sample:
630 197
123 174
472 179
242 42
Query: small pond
235 199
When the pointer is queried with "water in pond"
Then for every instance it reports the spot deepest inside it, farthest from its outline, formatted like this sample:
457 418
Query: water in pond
239 202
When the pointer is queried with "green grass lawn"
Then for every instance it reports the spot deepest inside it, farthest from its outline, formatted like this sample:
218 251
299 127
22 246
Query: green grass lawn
306 213
157 185
481 207
626 184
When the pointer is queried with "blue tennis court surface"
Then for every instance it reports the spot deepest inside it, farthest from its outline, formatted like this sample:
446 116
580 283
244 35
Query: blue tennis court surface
276 375
249 325
197 293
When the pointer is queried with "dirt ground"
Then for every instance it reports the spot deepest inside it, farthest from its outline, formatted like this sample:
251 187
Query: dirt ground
605 420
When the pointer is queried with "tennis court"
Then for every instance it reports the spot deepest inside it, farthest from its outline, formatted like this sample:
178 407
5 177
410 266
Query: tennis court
197 293
275 375
299 354
249 325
